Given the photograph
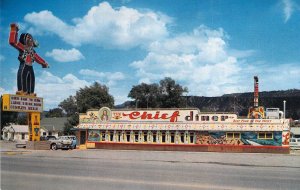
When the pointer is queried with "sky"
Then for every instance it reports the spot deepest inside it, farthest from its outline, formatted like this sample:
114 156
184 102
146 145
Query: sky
212 47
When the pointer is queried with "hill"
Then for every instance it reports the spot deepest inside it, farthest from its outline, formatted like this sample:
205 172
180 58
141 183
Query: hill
240 102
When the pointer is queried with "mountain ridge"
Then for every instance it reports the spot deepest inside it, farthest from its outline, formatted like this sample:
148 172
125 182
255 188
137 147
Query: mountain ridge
240 102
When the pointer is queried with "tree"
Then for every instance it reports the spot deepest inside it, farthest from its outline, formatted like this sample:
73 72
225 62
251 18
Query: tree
93 97
69 105
56 112
171 94
73 120
7 118
166 94
22 119
145 95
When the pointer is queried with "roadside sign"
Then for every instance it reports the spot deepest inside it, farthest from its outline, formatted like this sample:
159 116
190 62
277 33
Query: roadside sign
19 103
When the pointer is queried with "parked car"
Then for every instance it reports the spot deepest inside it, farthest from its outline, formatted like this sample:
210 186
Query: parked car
62 142
74 141
50 137
295 143
43 138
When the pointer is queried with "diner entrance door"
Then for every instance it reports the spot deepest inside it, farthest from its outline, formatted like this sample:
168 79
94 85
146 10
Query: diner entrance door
82 137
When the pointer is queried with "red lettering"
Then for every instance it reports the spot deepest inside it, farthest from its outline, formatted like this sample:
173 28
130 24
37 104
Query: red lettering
174 116
156 116
164 116
133 115
146 115
149 116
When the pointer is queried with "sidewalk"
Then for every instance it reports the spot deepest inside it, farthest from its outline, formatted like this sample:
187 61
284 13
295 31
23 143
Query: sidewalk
10 146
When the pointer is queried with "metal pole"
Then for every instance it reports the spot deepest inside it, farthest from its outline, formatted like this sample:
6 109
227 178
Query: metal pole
284 104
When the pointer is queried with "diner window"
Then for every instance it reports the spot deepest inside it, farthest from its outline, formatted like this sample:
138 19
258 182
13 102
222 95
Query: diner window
215 118
154 136
111 136
182 137
265 135
191 137
233 135
136 136
172 138
128 136
163 137
224 117
103 136
119 136
145 136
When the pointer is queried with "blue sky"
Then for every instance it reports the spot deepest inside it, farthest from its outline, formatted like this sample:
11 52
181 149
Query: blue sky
212 47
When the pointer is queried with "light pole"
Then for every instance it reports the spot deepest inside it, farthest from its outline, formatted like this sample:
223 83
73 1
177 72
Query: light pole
136 103
147 100
284 102
186 100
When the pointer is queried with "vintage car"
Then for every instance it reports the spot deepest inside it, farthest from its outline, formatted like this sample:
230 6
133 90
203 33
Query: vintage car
62 142
295 143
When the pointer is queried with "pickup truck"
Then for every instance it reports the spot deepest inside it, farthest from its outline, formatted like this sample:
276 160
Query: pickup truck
62 142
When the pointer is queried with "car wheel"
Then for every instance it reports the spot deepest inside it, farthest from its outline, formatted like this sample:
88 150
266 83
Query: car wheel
53 147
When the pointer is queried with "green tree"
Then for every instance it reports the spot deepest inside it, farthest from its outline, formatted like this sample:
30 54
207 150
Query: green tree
73 120
171 94
7 118
22 119
56 112
69 105
166 94
145 95
93 97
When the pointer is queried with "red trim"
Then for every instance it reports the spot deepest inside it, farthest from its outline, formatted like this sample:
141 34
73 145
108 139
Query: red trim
191 145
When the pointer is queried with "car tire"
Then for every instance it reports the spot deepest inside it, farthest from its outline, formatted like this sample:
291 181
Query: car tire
53 146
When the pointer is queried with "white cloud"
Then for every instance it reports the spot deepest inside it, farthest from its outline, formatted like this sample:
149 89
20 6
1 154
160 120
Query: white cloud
105 26
55 89
289 7
109 78
3 91
199 60
62 55
280 77
204 62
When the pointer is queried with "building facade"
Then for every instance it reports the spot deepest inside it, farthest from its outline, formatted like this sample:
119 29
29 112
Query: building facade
181 129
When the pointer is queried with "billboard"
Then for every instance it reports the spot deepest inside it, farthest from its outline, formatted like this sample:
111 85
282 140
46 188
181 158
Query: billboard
19 103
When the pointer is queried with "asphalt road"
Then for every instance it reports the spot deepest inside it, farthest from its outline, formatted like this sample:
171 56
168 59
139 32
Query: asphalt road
136 170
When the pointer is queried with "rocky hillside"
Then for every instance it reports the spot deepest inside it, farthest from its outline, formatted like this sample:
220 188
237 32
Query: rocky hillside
240 102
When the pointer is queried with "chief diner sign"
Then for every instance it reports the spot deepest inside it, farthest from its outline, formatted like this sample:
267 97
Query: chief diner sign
105 115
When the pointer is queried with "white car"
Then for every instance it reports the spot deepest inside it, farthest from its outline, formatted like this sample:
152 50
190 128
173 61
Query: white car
62 142
295 143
